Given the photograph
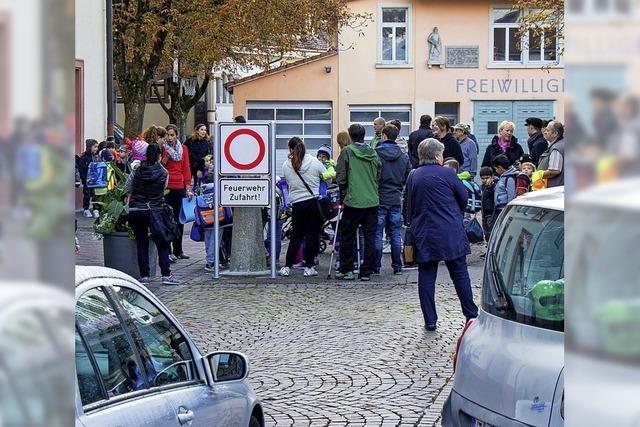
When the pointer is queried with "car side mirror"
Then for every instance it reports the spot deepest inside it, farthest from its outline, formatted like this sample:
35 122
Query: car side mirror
228 366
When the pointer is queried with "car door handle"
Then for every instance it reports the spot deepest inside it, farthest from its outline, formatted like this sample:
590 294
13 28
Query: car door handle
185 416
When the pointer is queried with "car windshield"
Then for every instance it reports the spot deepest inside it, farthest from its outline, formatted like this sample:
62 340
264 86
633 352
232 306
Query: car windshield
602 248
526 270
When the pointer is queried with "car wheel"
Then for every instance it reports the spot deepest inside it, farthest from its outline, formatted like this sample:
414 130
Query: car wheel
253 422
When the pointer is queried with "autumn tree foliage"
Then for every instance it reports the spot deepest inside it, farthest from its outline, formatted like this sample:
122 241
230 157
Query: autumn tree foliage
544 16
189 38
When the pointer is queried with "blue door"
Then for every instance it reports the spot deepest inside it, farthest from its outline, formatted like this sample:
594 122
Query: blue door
487 116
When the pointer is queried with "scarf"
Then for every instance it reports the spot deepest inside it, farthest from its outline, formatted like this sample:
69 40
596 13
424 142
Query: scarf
175 153
504 144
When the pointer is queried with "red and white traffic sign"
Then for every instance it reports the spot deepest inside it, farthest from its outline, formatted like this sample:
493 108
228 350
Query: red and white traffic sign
244 149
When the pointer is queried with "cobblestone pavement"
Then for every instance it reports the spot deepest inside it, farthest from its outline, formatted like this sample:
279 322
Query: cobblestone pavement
323 352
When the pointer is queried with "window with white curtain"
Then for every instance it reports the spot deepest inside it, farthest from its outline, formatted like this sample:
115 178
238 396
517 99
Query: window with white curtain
509 46
366 114
394 33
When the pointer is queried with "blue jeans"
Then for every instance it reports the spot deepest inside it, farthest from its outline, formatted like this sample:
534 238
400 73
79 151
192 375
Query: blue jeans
390 218
459 274
209 234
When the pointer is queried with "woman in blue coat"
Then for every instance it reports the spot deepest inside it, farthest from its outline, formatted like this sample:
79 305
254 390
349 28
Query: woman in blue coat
437 199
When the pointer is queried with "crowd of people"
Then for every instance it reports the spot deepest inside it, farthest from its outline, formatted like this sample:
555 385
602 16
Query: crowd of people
414 189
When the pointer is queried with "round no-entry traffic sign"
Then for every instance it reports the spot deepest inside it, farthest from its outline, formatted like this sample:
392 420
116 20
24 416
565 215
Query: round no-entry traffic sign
262 149
244 149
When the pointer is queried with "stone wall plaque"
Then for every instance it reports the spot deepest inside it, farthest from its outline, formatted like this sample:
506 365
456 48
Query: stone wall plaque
462 56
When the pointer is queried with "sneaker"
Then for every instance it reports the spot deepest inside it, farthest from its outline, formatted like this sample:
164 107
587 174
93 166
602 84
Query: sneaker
430 328
345 276
183 256
144 280
169 280
173 258
397 271
410 266
208 267
96 213
87 213
284 272
365 278
311 271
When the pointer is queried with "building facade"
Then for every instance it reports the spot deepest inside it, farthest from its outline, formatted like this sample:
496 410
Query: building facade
485 74
90 72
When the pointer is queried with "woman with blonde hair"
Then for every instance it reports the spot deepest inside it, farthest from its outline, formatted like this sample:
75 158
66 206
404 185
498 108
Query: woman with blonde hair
343 139
505 143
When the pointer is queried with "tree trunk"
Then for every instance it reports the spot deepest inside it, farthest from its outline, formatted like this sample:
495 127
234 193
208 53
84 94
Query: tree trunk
179 118
134 116
247 248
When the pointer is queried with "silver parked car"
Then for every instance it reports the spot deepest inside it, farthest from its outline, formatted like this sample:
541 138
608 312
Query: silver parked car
137 366
509 364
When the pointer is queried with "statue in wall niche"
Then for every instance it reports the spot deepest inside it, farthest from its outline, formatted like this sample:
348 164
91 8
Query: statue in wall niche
435 48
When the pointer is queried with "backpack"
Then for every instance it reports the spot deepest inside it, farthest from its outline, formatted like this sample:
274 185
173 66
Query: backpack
474 204
205 215
97 175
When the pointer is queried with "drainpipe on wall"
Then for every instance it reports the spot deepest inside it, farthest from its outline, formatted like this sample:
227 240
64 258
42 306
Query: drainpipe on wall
111 107
210 97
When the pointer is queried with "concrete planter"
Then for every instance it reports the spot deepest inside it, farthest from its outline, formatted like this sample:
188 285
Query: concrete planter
120 253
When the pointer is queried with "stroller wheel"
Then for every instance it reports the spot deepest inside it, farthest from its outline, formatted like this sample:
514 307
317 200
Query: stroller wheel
323 245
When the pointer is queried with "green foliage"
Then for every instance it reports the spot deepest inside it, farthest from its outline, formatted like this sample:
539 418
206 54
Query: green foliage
113 216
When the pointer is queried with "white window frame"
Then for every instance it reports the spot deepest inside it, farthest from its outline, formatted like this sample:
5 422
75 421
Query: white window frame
524 61
407 25
379 108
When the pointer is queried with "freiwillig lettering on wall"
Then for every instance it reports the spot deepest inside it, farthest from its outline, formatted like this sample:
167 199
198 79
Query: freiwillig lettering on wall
493 86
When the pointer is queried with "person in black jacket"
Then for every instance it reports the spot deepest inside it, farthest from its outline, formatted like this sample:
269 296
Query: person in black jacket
536 142
442 132
198 145
90 155
147 184
417 136
503 143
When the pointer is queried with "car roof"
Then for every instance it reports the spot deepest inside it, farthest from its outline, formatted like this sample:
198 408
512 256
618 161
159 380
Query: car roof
11 292
85 272
550 198
624 194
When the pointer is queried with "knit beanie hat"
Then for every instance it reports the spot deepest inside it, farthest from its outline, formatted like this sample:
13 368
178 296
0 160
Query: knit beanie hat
325 149
139 149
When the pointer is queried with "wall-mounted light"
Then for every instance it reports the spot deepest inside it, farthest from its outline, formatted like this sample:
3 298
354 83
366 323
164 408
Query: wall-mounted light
327 69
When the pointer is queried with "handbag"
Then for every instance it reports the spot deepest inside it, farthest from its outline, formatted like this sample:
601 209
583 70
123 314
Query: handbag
409 244
473 229
188 210
197 233
409 248
325 205
205 215
163 226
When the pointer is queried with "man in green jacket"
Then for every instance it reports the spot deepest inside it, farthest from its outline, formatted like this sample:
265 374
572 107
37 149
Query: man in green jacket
358 173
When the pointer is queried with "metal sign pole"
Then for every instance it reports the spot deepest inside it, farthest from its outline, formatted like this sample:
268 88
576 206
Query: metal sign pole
216 199
274 208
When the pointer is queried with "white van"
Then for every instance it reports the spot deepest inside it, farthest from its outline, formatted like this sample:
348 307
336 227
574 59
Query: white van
509 365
